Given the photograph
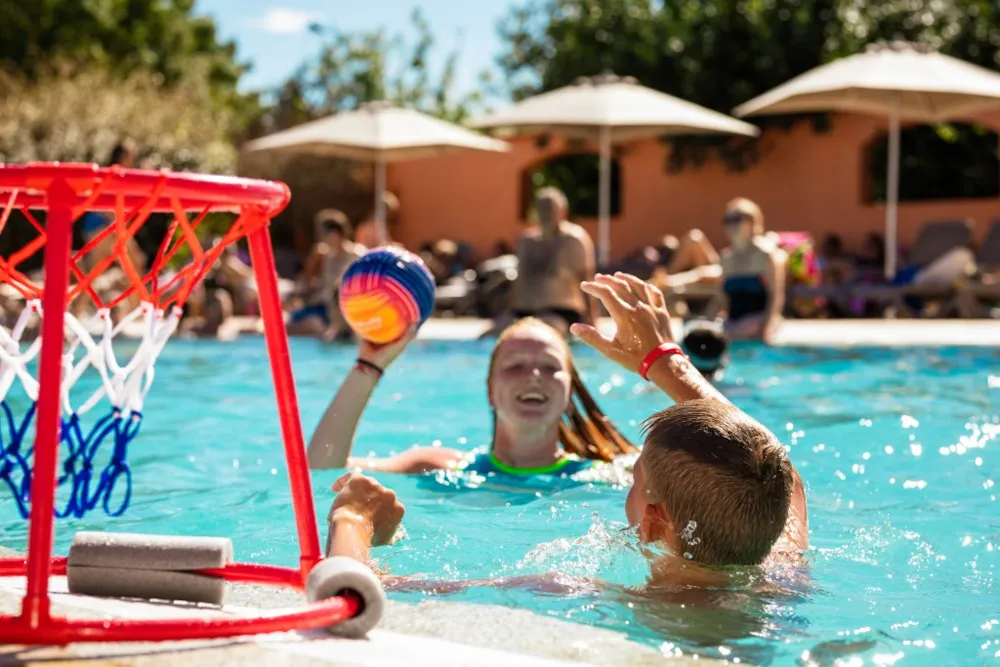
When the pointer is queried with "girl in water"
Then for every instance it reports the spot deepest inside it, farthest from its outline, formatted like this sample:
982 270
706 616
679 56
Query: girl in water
534 391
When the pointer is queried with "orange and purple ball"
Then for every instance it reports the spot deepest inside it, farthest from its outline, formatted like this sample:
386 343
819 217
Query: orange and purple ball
385 292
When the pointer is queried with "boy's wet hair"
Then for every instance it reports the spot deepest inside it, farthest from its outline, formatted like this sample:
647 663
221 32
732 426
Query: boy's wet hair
725 480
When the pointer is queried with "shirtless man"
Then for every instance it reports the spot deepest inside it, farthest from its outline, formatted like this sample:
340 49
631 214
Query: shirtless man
712 486
328 260
553 259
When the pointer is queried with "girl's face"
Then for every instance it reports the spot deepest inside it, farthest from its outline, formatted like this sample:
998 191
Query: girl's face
531 380
739 228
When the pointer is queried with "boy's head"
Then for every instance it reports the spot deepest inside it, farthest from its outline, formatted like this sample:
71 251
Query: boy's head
711 482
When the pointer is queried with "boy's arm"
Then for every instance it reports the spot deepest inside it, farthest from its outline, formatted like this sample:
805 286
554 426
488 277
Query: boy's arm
643 324
364 514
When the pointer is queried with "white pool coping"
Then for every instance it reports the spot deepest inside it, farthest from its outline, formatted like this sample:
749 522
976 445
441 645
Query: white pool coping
800 333
527 639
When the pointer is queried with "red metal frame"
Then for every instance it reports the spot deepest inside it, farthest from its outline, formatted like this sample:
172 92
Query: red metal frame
66 191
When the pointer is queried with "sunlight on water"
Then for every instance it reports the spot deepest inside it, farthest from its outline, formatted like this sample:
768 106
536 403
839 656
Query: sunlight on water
898 450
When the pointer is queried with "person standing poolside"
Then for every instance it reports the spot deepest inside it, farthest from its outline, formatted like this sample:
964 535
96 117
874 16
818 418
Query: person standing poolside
553 259
712 485
545 422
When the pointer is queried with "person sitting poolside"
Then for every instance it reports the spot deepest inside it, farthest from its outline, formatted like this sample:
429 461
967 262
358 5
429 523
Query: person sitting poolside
538 428
328 260
711 485
753 276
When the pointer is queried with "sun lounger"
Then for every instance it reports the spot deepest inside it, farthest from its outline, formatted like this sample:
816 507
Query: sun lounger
985 288
935 240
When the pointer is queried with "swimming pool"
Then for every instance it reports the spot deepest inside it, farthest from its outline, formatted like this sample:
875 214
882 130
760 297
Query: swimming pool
895 446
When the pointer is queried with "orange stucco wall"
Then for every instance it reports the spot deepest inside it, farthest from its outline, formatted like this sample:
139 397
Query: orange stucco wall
803 181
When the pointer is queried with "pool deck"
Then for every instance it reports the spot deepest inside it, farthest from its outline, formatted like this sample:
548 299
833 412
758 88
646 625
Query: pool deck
802 333
432 633
794 333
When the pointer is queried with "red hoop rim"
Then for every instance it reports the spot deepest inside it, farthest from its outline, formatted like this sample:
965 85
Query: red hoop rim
62 631
99 188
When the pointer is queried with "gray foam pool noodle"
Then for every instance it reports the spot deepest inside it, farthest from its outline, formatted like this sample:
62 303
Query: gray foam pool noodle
118 582
149 552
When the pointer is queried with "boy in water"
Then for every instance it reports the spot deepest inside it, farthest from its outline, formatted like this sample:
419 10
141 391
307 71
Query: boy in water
711 484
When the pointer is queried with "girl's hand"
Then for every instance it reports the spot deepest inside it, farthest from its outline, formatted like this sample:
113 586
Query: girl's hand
383 355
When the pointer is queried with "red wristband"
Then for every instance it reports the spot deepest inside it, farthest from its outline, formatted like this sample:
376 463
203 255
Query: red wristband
664 350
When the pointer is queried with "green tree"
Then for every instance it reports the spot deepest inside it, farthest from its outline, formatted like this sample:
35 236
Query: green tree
163 37
350 68
722 53
354 67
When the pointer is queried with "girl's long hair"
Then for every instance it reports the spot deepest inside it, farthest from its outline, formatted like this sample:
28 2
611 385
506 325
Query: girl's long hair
584 430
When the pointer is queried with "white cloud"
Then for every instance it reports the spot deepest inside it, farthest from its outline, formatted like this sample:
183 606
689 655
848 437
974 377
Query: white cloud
284 20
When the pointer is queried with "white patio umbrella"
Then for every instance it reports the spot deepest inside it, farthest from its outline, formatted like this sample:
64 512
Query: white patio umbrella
900 80
607 109
381 133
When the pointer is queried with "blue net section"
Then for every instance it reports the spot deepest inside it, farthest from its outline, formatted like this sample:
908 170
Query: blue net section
89 484
93 471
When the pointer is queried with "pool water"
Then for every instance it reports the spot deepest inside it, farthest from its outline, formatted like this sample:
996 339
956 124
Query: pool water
896 448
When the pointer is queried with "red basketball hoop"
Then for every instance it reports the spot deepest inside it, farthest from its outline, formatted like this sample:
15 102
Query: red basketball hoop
67 192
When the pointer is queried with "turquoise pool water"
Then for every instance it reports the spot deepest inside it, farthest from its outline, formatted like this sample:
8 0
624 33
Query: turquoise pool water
896 448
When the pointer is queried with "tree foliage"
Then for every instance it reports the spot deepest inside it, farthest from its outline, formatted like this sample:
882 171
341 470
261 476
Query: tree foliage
722 53
161 36
74 114
353 67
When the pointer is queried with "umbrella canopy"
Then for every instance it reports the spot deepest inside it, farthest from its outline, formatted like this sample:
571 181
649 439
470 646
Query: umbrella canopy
381 133
607 109
900 80
922 84
620 104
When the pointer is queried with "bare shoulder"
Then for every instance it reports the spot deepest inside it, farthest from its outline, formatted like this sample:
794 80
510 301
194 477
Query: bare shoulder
576 231
766 245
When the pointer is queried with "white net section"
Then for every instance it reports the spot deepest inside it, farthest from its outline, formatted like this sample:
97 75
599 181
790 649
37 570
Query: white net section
90 347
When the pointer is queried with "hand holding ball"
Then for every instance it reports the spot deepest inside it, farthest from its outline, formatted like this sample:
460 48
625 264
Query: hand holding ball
385 292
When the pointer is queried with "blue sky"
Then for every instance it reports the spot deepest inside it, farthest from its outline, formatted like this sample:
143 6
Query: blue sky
272 33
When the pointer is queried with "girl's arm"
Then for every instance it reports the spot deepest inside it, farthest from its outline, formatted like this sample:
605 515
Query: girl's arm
330 445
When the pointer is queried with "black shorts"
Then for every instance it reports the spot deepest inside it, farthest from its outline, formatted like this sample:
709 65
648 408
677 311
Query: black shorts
567 314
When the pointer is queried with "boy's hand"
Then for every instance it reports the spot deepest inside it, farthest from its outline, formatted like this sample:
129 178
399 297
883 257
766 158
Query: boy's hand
640 316
363 500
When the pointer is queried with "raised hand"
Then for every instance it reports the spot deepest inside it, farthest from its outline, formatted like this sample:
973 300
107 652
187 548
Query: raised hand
641 319
385 354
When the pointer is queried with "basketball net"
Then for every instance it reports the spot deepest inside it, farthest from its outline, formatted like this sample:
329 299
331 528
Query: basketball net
150 301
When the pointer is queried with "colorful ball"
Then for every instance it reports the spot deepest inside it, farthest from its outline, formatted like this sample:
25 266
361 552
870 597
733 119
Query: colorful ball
385 292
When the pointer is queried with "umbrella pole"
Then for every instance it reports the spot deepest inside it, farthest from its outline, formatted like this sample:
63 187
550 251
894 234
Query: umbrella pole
892 195
604 198
381 234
